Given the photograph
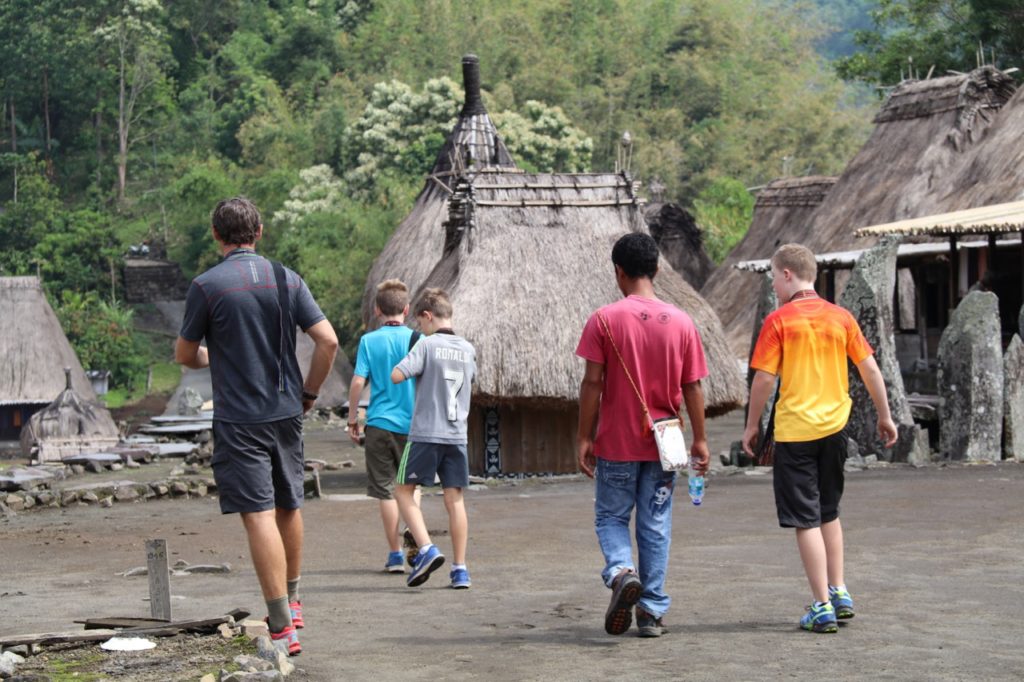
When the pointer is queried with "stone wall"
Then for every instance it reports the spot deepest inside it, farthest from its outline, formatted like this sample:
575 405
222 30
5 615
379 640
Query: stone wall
148 280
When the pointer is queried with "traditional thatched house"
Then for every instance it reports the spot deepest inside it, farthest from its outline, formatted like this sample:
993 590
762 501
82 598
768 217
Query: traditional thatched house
526 261
680 240
780 206
926 131
35 353
415 246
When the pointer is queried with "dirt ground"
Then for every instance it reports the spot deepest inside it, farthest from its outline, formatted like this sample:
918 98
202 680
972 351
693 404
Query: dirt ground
934 559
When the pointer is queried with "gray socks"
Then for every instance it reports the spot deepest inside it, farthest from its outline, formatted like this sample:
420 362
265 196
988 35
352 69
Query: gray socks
293 590
279 617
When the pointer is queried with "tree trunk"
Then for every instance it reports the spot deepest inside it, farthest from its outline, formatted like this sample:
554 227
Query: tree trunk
14 130
122 135
46 109
99 138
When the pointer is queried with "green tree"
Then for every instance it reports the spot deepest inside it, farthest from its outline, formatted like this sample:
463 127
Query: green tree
724 210
544 139
101 334
27 216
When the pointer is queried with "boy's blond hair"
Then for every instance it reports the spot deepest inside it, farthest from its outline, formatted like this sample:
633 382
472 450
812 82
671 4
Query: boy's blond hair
436 302
798 259
392 297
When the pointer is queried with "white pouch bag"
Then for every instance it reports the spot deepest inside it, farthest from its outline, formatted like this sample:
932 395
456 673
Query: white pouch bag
668 434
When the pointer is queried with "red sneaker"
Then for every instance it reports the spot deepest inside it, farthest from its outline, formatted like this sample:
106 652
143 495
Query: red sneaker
290 637
296 609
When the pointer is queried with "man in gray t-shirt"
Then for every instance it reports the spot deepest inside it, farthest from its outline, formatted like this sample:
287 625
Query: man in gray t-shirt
444 366
259 398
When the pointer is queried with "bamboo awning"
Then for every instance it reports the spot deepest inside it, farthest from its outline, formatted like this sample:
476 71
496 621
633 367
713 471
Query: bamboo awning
992 219
840 260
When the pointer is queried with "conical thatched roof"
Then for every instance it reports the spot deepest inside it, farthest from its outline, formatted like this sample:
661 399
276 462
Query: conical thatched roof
680 240
71 423
528 259
33 347
416 244
780 206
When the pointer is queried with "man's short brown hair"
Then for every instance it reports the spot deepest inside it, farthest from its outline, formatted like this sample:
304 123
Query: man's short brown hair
798 259
236 220
436 302
392 297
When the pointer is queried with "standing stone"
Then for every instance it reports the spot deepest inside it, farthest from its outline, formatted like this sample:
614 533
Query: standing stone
868 296
767 302
190 402
971 380
1020 322
1013 400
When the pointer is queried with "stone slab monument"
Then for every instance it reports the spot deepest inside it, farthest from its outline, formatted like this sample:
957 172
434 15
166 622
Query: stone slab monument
971 381
1013 400
868 296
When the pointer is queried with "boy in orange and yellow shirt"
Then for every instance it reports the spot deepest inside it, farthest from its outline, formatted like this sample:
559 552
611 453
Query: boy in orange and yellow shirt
806 343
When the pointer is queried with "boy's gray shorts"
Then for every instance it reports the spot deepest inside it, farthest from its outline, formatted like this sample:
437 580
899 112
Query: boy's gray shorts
258 467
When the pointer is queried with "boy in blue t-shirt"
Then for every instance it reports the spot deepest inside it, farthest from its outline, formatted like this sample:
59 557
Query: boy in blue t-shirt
390 409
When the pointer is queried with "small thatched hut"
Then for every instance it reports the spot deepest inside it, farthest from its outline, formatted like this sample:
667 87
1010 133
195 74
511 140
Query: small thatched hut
526 261
680 240
35 353
781 206
416 244
70 425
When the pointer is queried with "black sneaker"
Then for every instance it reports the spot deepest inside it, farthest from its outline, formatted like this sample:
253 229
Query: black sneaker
648 625
626 591
410 547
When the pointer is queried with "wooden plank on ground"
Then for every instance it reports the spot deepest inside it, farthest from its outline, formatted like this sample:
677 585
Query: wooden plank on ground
115 622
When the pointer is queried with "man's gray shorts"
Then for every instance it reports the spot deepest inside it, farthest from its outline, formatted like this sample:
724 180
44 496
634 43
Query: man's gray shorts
383 455
258 467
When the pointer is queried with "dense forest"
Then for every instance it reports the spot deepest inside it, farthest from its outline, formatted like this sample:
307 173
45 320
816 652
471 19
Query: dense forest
124 121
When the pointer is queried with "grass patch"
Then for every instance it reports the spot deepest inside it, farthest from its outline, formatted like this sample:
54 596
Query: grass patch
166 376
71 671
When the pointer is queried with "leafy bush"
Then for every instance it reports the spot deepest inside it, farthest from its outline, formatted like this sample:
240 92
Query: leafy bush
724 210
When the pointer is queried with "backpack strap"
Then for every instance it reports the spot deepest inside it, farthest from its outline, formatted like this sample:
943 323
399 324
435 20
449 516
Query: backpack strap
414 338
284 307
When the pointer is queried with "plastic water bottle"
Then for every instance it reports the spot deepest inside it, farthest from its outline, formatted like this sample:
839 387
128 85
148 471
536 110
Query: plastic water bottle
696 486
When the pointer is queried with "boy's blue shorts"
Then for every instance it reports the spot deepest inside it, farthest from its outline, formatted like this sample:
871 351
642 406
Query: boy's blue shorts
421 461
809 479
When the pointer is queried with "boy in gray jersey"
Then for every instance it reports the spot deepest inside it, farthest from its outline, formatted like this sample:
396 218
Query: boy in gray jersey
444 366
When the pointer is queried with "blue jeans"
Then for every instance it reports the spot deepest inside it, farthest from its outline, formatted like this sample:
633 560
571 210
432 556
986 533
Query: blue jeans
621 486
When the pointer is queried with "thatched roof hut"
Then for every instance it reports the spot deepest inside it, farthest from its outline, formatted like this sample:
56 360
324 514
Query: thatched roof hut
70 425
924 131
35 353
781 206
526 261
680 240
416 244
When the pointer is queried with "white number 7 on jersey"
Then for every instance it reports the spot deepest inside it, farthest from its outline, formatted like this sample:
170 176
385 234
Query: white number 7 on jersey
455 379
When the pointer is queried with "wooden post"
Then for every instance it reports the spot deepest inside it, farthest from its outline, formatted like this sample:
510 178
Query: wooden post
159 580
954 274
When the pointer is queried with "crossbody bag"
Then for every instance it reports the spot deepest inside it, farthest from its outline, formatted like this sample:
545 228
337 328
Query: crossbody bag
668 431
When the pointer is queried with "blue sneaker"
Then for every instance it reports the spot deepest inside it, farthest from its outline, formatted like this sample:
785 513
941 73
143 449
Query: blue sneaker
820 618
395 562
460 579
841 601
426 563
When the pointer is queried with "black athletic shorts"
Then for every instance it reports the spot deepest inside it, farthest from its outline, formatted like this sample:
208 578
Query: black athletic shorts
808 479
258 467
